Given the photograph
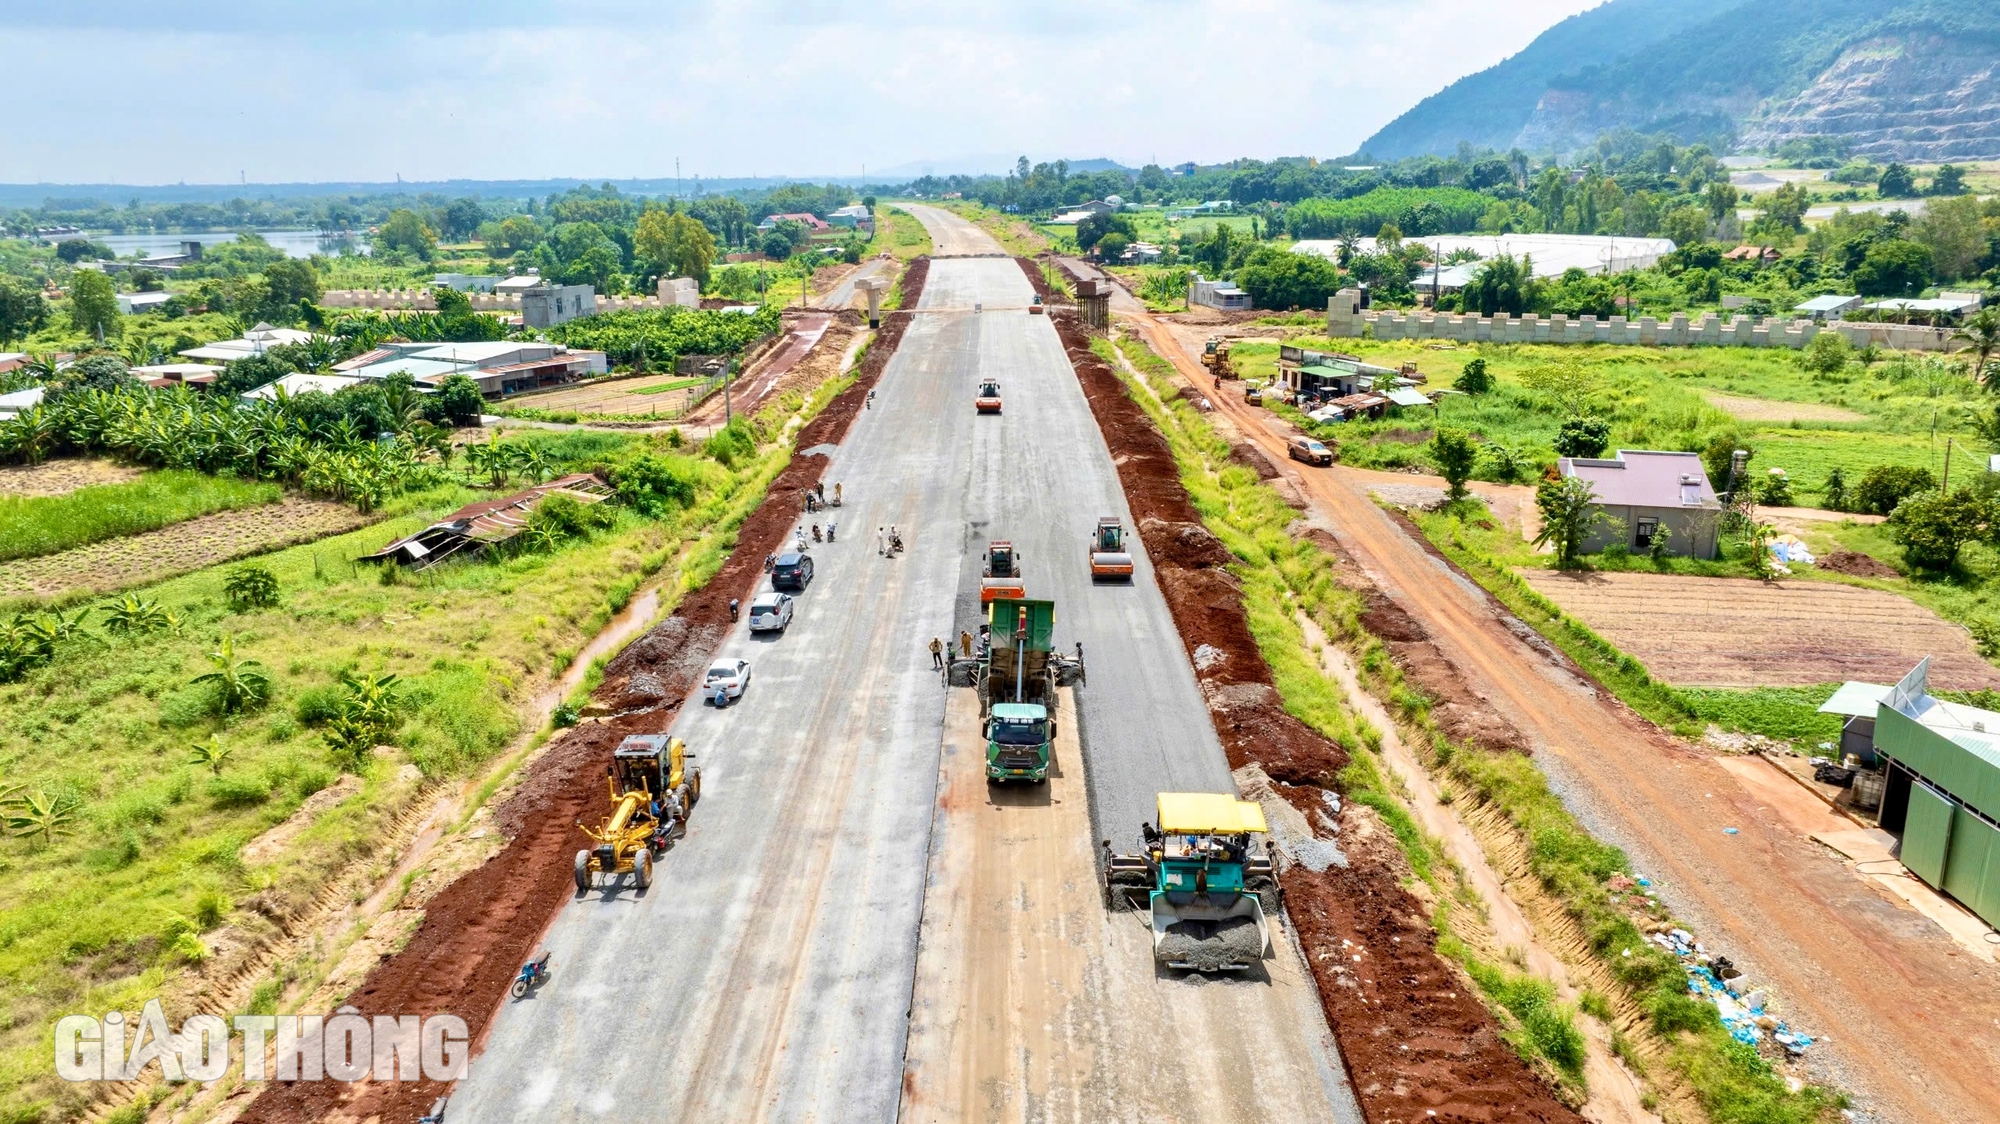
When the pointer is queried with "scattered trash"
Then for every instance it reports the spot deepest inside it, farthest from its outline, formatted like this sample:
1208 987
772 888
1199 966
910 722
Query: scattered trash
1729 831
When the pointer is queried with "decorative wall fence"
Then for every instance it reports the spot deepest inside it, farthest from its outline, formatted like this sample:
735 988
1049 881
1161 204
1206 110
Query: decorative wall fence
421 299
1345 318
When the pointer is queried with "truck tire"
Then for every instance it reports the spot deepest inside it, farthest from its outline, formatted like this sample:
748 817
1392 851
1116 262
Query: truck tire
583 872
642 868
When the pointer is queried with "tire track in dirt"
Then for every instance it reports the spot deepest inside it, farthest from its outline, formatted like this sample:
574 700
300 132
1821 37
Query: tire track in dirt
478 931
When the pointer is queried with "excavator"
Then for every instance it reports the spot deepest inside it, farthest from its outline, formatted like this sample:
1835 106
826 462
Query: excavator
652 789
1205 887
1001 575
1108 556
988 401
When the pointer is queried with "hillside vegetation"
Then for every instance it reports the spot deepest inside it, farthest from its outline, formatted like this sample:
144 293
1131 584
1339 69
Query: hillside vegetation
1728 70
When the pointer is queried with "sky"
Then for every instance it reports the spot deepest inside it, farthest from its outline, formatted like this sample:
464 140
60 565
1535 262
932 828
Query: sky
200 91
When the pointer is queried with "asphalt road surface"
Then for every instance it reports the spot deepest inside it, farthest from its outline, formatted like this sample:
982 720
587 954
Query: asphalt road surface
768 974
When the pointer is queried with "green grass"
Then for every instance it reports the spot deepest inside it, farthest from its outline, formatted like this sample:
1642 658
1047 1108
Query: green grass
662 388
899 233
1281 575
31 526
1655 399
106 916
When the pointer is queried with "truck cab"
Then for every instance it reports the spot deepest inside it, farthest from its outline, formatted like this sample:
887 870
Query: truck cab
1018 737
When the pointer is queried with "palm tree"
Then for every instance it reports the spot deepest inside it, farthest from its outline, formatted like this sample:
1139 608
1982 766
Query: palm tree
319 352
242 682
1981 335
404 405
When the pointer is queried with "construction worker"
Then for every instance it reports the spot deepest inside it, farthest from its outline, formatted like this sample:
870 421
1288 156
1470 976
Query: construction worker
836 493
734 607
937 654
964 644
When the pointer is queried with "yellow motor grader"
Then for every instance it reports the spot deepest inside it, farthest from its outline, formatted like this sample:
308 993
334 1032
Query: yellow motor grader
652 789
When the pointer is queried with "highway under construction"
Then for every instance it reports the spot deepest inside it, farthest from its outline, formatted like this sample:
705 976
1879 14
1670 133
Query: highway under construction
857 926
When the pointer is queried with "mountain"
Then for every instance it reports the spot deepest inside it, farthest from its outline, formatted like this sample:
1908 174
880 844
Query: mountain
1909 80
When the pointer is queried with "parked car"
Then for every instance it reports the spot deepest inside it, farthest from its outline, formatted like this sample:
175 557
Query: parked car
793 570
1303 448
770 612
727 675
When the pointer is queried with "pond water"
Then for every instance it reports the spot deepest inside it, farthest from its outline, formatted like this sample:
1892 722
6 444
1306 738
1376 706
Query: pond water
296 243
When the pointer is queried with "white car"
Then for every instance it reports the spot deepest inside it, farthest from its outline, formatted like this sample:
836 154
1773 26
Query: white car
727 677
770 612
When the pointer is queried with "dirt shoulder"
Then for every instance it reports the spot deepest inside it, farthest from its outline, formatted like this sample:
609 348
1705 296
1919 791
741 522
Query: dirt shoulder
479 929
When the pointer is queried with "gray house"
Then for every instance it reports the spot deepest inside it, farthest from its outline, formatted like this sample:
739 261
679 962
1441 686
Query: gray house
1641 492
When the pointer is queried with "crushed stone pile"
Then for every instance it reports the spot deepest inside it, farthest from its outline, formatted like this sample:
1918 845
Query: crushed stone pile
1211 946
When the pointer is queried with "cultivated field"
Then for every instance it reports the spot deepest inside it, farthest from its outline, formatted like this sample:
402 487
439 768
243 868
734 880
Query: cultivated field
61 477
1729 632
1769 410
191 545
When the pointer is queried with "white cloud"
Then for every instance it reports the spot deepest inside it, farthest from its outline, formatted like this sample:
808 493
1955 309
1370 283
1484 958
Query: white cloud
201 93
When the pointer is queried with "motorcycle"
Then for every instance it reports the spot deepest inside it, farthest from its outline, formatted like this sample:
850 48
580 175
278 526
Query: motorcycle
436 1114
895 542
532 974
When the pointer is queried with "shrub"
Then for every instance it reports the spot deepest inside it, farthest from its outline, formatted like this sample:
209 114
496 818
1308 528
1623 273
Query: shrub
1886 485
1932 527
1775 490
1454 454
1582 436
316 706
1833 496
1474 379
237 791
1827 354
250 587
731 443
655 485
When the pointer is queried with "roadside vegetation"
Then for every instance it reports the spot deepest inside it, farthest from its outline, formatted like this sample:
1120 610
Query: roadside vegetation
31 526
1281 576
237 692
898 232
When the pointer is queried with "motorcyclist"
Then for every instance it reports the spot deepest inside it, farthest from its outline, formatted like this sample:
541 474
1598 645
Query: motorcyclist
734 607
829 530
816 537
871 399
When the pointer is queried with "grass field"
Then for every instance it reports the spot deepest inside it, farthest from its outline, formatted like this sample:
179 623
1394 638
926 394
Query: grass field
31 526
140 878
899 233
1659 399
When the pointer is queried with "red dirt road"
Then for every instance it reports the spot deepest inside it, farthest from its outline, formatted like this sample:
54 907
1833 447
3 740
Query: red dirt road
1911 1026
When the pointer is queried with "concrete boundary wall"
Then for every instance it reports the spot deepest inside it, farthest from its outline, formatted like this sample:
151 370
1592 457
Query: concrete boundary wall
1346 319
481 302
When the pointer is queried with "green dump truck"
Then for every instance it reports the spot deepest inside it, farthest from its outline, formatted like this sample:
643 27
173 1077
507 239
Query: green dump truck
1017 681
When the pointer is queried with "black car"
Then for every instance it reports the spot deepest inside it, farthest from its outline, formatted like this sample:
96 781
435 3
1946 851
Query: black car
793 570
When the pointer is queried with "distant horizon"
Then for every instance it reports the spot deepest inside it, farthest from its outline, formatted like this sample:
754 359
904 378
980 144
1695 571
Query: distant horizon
211 91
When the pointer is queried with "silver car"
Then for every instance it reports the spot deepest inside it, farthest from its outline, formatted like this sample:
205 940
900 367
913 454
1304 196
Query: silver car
725 680
770 612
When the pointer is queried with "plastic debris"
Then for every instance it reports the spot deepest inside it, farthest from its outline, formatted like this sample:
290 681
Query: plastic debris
1729 831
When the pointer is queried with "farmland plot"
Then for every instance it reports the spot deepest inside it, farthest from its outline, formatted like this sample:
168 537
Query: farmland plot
178 549
1728 632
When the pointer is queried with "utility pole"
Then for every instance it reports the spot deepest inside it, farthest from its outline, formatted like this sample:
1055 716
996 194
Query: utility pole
1944 487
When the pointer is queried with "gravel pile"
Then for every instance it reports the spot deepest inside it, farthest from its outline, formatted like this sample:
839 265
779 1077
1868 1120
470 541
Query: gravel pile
1210 946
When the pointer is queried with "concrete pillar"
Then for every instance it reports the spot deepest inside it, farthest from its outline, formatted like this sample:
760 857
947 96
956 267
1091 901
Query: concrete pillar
873 286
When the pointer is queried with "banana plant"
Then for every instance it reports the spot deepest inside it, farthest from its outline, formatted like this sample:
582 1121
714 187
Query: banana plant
211 754
135 616
42 816
242 683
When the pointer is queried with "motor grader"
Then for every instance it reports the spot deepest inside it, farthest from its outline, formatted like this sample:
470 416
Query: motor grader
652 788
1215 356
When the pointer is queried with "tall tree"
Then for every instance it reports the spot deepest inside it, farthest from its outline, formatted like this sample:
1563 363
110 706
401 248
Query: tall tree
1569 511
22 309
405 231
677 243
93 303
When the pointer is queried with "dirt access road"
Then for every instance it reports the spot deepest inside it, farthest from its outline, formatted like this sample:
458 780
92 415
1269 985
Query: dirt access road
1910 1026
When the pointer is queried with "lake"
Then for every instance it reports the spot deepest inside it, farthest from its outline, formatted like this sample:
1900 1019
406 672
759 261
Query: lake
295 243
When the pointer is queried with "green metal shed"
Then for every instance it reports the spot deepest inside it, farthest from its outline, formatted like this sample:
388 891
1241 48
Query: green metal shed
1942 762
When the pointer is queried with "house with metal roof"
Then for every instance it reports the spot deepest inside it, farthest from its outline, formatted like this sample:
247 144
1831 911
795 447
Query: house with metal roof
1940 782
1828 307
1640 492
